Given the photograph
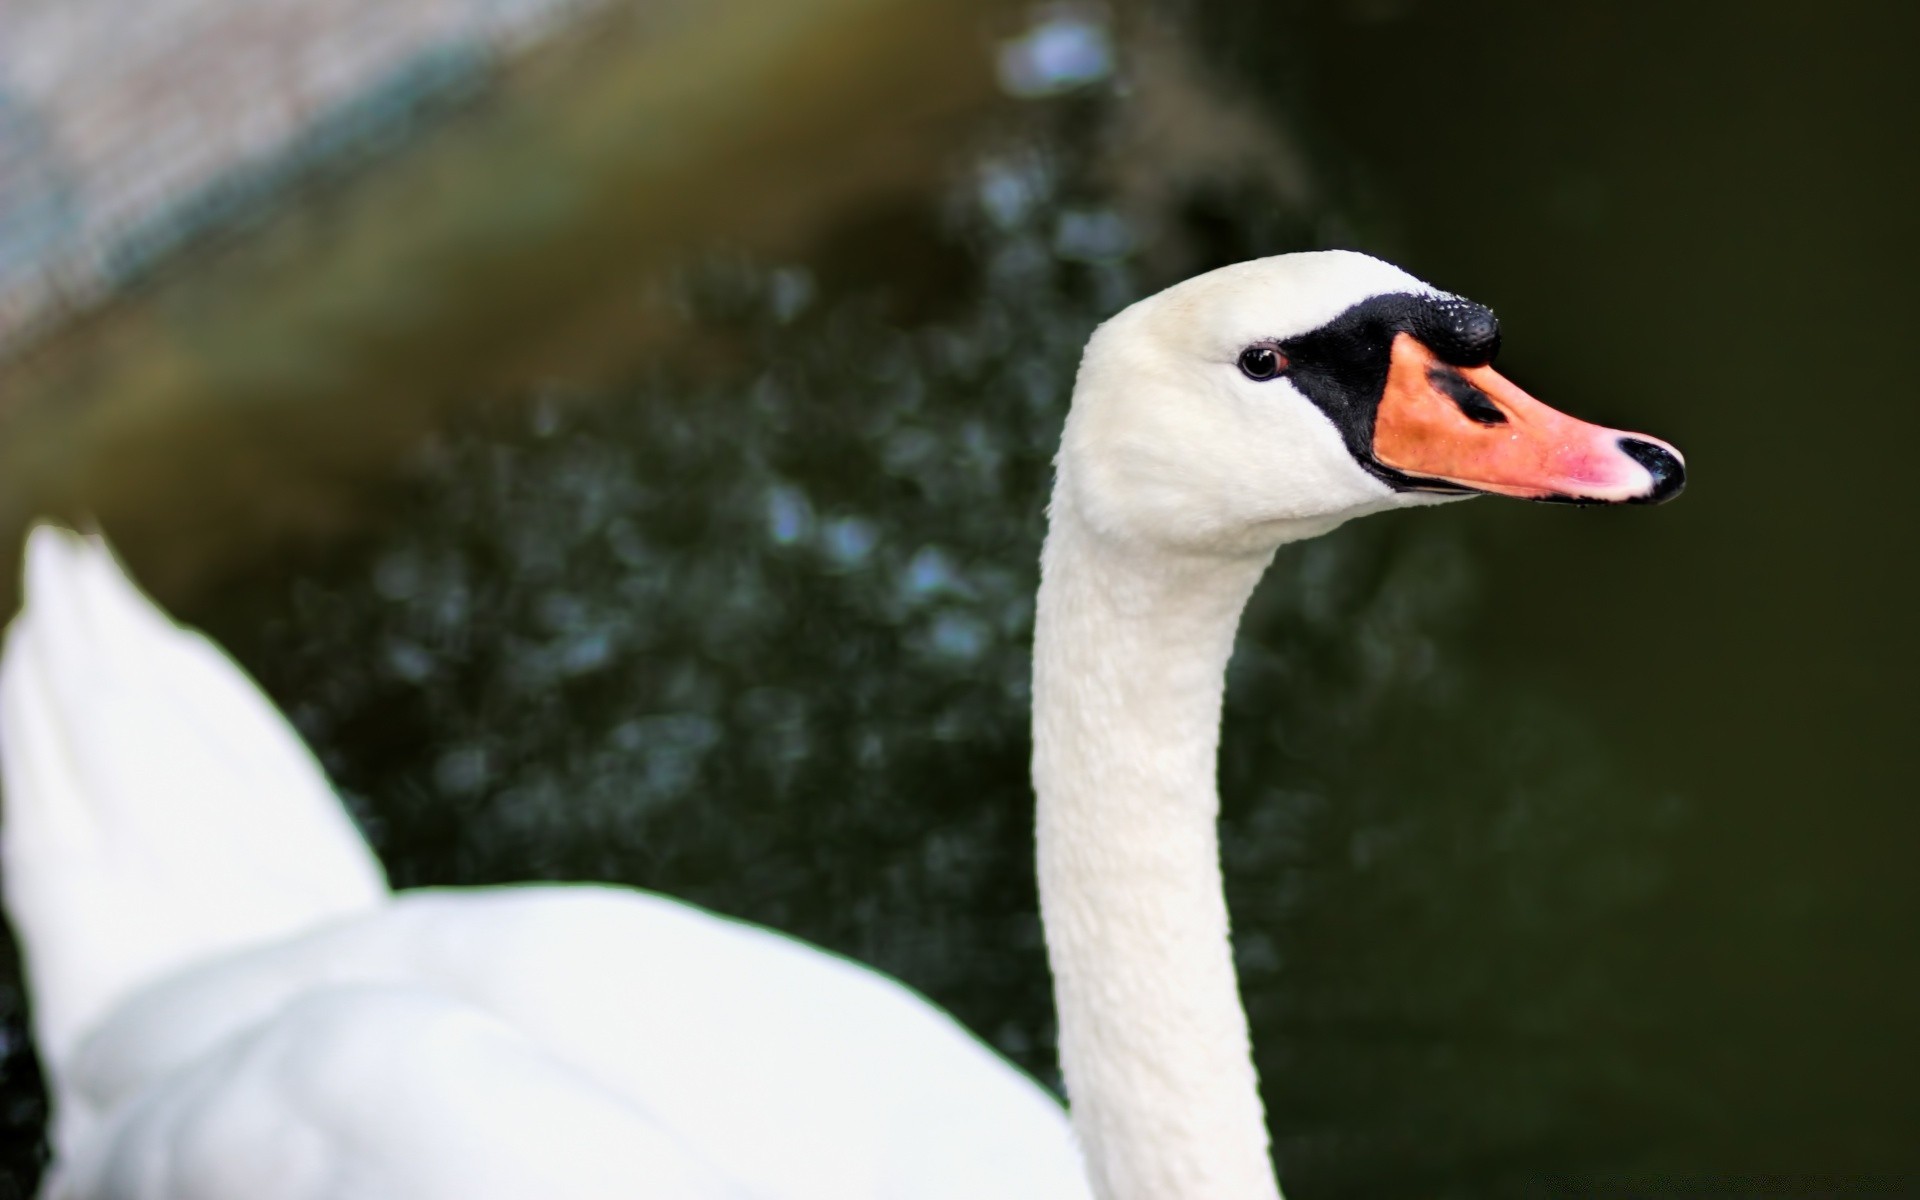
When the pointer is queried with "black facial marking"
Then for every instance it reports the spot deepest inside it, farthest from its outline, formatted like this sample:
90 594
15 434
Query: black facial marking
1472 401
1342 366
1459 331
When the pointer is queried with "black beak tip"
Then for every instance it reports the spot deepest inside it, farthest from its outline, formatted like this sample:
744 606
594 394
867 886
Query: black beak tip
1669 473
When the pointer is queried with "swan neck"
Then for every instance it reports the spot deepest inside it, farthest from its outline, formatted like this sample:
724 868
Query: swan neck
1130 657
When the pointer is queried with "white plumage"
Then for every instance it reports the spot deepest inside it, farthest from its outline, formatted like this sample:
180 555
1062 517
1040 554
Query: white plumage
231 1006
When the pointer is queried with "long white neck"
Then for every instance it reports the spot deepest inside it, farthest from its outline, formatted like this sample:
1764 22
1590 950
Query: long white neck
1130 653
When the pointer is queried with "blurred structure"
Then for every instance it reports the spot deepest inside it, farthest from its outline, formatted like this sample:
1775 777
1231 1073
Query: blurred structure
128 130
249 252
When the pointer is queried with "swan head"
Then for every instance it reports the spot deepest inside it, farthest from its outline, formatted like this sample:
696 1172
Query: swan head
1274 399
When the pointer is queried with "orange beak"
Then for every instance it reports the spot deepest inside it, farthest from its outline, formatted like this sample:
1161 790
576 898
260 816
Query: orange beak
1471 427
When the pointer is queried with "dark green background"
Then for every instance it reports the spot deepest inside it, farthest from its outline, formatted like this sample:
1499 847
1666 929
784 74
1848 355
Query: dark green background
1701 218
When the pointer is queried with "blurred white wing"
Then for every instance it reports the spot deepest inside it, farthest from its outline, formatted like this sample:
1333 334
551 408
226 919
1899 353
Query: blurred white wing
233 1007
159 810
377 1091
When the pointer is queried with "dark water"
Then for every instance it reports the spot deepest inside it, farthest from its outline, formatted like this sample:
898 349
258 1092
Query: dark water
1567 850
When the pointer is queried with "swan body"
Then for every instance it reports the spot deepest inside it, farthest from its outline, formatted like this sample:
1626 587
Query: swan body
231 1004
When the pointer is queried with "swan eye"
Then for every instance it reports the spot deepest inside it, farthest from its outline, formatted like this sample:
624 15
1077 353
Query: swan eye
1261 363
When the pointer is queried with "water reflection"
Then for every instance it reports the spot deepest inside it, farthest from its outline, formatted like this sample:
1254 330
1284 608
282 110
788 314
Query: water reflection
1068 47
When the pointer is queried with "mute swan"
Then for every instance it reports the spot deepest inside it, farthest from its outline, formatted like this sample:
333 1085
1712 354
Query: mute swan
231 1004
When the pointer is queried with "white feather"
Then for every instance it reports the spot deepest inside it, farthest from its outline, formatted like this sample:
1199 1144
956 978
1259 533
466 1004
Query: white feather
232 1007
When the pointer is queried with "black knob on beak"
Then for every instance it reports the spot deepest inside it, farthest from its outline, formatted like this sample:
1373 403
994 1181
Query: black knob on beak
1460 332
1669 473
